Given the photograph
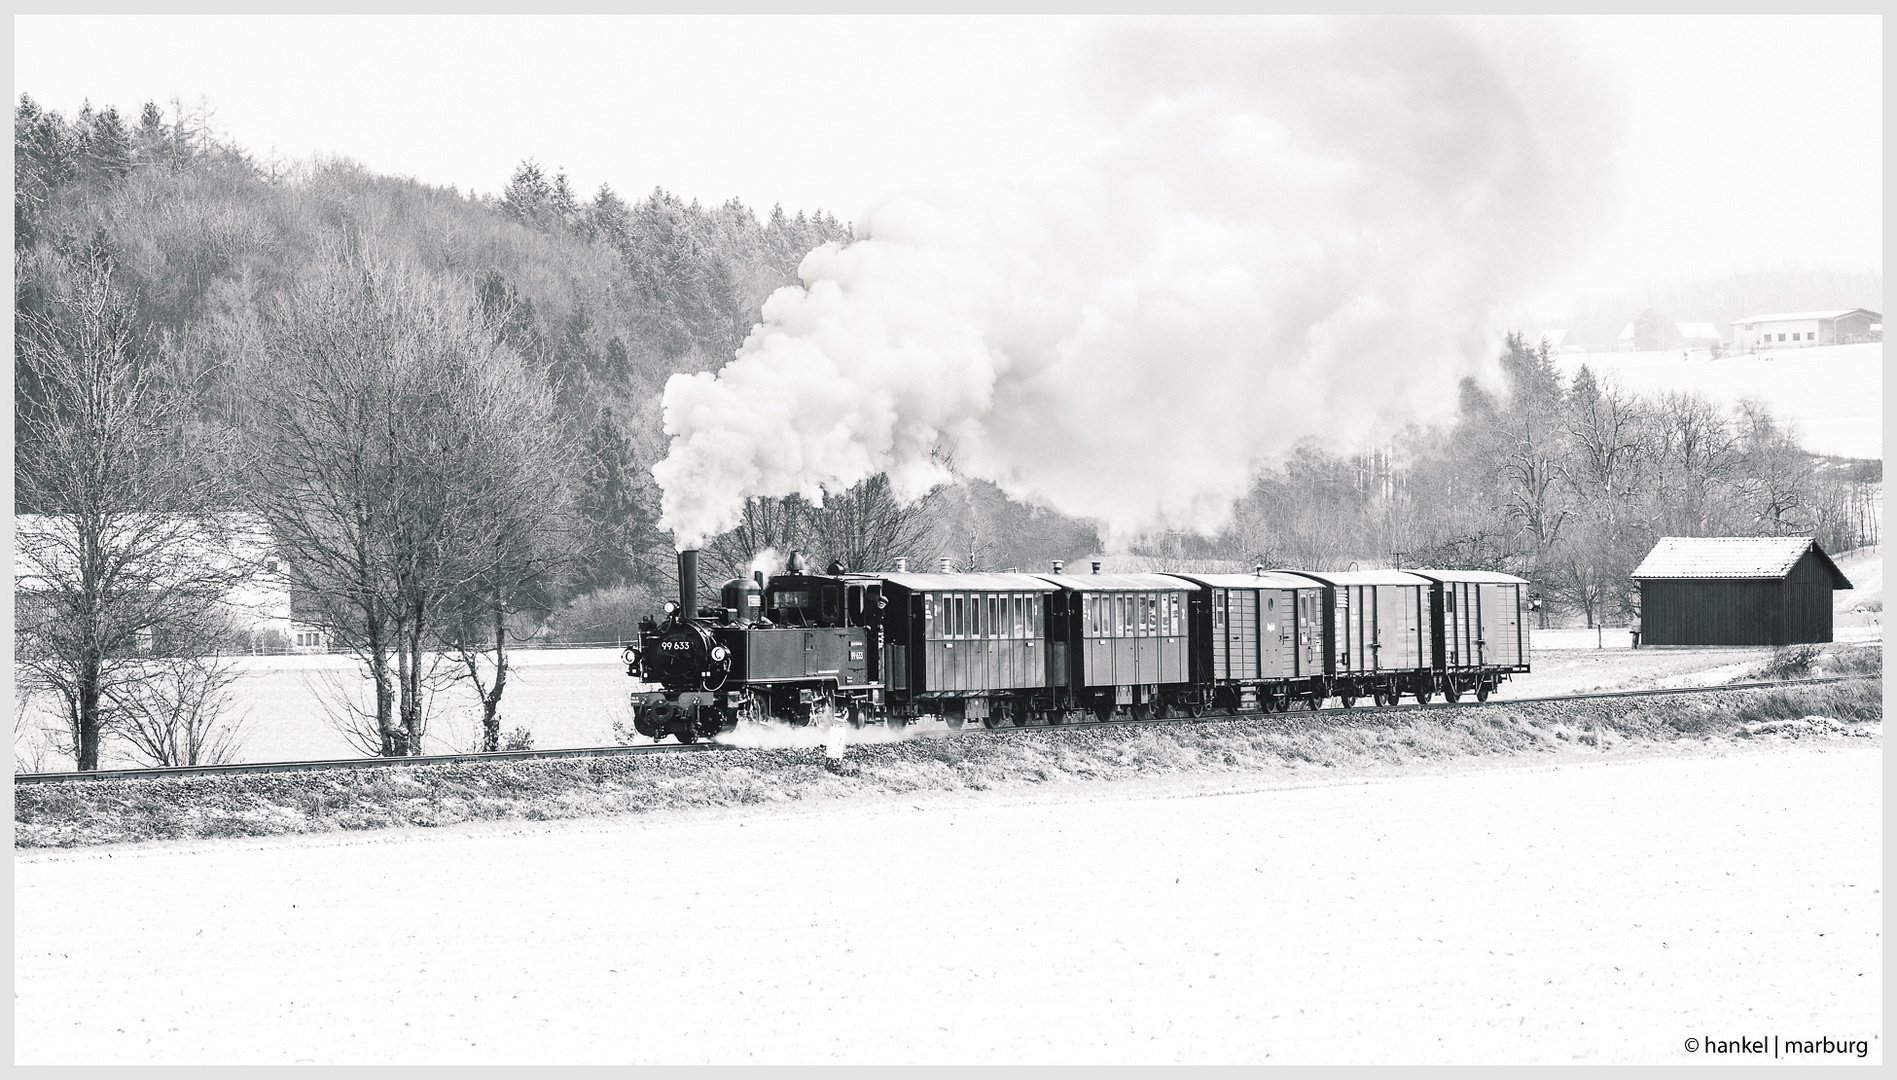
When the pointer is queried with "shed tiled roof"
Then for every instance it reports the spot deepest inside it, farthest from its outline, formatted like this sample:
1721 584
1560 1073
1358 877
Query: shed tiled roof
1740 557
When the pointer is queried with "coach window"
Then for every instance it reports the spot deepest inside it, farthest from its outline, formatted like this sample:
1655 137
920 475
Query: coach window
994 626
1093 615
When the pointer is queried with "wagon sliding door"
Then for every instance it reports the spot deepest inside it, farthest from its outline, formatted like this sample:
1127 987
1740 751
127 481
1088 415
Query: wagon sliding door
1501 609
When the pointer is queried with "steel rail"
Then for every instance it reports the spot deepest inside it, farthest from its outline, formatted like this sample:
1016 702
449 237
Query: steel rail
269 767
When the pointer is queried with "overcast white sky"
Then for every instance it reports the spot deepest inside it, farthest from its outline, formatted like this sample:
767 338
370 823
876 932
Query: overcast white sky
1752 141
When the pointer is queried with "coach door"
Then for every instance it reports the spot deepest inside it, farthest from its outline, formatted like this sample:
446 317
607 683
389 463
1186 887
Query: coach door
1277 639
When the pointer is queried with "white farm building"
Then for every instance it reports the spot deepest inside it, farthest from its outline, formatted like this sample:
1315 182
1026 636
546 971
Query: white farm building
1804 329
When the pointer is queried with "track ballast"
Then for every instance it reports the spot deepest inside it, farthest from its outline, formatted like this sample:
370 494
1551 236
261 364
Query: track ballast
356 764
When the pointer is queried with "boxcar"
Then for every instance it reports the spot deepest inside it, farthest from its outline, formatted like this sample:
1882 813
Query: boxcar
967 646
1377 633
1480 629
1121 640
1257 639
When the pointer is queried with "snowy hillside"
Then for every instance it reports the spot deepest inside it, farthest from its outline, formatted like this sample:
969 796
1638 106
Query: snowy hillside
1833 395
1864 601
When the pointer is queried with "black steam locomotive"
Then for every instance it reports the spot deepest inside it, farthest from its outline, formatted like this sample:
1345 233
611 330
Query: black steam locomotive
1057 648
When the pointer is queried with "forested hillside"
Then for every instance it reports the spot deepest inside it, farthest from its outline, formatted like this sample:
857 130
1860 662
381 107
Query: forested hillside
602 298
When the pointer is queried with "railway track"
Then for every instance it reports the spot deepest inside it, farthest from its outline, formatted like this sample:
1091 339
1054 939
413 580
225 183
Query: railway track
271 767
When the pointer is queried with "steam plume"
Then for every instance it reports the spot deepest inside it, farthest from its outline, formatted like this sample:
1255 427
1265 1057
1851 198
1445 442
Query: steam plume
1295 232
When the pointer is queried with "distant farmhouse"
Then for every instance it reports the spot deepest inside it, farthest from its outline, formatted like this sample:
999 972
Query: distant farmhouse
1804 329
1699 335
259 610
1648 334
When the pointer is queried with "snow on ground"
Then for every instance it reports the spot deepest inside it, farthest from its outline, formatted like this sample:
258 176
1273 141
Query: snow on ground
1833 394
1597 912
1582 670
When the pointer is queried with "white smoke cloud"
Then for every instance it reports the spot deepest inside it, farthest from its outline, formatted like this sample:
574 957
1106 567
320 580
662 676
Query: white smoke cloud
1296 231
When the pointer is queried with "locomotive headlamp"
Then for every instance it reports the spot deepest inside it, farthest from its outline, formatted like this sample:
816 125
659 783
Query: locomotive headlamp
671 607
719 652
630 656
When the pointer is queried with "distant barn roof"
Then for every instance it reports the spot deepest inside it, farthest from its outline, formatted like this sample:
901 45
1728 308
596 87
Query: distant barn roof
1801 316
1743 557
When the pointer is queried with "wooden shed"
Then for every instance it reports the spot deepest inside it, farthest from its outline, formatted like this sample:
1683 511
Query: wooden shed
1737 590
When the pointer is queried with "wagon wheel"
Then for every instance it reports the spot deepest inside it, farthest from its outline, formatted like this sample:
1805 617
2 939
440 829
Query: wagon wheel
1053 718
1195 705
1482 690
855 714
896 723
1284 699
955 722
1424 692
1104 711
1143 711
1315 701
1017 715
688 736
1376 697
1347 698
989 721
1452 692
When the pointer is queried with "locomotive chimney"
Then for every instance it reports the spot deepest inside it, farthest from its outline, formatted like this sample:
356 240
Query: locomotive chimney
902 566
1096 566
688 584
1259 570
1057 565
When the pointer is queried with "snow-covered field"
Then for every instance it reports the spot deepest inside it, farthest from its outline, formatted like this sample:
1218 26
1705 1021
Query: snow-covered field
1600 912
1833 394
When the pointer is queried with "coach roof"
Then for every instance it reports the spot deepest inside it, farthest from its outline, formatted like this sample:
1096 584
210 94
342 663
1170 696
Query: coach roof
1479 577
962 582
1119 582
1270 579
1363 577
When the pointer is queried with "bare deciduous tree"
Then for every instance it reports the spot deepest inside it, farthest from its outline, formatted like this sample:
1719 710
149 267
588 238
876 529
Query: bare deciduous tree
866 527
409 467
125 547
178 711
